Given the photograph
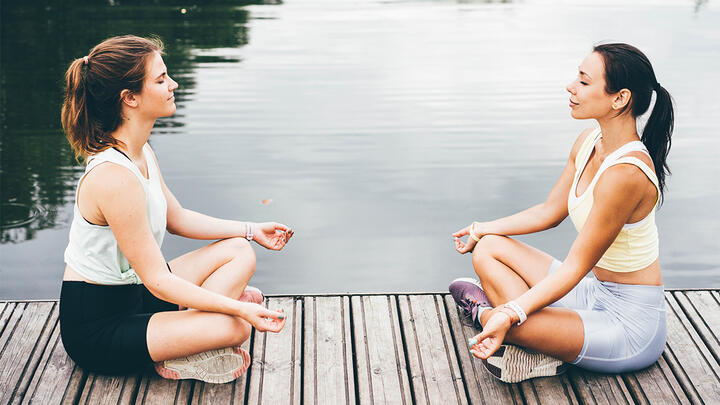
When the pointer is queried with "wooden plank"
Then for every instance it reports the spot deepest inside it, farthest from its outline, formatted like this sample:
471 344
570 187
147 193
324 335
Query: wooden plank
328 367
482 387
24 343
109 389
656 385
275 373
704 314
154 389
57 380
696 368
230 393
381 365
549 390
433 364
6 308
596 388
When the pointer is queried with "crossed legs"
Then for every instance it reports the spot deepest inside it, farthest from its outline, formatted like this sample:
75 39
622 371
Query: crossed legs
224 267
507 268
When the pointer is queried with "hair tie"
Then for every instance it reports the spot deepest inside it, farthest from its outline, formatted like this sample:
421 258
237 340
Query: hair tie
85 59
657 86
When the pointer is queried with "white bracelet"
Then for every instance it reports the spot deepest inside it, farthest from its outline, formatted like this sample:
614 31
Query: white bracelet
518 310
249 231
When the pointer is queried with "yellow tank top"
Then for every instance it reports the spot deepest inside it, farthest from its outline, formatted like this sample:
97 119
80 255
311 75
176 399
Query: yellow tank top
636 246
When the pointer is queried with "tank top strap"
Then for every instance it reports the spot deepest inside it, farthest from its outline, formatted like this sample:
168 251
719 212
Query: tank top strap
586 148
642 166
109 155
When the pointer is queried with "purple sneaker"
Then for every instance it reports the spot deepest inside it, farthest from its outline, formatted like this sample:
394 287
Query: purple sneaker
469 295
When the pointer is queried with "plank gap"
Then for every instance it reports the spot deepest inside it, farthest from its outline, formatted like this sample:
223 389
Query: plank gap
353 343
405 347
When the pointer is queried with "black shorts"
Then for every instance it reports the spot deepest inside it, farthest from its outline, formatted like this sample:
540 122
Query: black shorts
104 327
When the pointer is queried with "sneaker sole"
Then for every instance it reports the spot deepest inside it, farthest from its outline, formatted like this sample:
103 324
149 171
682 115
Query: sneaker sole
252 294
213 366
510 364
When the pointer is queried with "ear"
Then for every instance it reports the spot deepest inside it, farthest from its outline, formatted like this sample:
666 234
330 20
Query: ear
128 98
621 99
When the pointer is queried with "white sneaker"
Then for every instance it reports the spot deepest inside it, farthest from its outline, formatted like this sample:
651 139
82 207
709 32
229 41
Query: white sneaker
513 364
213 366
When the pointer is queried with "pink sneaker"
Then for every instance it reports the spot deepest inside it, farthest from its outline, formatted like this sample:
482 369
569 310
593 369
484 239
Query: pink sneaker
213 366
252 294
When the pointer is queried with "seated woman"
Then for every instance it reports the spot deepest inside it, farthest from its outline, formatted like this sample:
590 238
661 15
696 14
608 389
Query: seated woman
614 320
120 298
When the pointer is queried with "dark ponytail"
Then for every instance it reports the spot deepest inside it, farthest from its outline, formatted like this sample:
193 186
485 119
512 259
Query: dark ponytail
626 67
93 106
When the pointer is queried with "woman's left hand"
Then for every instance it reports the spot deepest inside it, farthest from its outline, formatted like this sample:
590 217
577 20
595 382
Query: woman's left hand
272 235
492 336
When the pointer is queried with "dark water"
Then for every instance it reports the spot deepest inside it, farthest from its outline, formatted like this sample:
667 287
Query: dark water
377 128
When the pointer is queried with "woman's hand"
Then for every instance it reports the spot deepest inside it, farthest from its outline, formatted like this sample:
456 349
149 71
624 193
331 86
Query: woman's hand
272 235
489 340
464 247
263 319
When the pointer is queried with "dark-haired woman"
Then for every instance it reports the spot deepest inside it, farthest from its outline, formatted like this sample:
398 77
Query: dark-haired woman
120 298
538 313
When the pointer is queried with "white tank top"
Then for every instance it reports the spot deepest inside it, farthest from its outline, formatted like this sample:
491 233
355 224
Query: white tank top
93 251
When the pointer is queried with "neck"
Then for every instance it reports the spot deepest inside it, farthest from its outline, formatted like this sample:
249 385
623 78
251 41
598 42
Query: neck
617 131
134 133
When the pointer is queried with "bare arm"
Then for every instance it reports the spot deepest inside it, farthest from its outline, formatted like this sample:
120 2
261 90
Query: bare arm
121 199
617 195
194 225
540 217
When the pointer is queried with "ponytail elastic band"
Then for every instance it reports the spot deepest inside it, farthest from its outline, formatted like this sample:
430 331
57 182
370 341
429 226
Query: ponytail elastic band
85 59
657 86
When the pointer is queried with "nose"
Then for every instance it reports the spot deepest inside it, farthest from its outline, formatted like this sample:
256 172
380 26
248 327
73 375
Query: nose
571 87
173 84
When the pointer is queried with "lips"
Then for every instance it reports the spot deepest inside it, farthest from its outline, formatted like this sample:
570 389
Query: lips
572 103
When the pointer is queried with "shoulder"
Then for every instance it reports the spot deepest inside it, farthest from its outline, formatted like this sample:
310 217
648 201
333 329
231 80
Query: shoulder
579 142
108 181
623 183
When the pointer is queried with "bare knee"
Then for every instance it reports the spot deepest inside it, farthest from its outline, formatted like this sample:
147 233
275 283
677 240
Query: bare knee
484 252
239 248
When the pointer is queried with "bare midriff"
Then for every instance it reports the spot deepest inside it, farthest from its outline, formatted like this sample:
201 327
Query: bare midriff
650 275
72 275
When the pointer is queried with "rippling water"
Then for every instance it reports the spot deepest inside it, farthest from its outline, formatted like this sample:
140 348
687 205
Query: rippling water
377 128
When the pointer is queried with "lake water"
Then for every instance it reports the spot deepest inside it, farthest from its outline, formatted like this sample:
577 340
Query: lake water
377 128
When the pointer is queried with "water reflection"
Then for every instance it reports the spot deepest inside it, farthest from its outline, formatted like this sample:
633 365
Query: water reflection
39 40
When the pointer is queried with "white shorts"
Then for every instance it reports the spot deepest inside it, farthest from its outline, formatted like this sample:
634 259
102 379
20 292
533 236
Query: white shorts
624 324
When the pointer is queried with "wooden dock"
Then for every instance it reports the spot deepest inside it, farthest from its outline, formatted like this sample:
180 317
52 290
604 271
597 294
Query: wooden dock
368 349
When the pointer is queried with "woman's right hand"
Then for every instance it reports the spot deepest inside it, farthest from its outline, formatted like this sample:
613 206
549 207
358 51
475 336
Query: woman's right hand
263 319
464 247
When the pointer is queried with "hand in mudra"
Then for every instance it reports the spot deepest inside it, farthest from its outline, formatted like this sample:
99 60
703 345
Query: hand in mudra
489 340
272 235
464 247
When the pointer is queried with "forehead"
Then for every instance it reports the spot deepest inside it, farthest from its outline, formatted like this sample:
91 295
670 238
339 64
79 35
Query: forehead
593 65
155 64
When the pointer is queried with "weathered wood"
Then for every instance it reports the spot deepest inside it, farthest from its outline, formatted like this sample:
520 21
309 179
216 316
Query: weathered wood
109 389
276 367
656 385
57 379
28 332
154 389
549 390
431 352
407 349
328 367
482 387
693 358
704 314
381 365
596 388
230 393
